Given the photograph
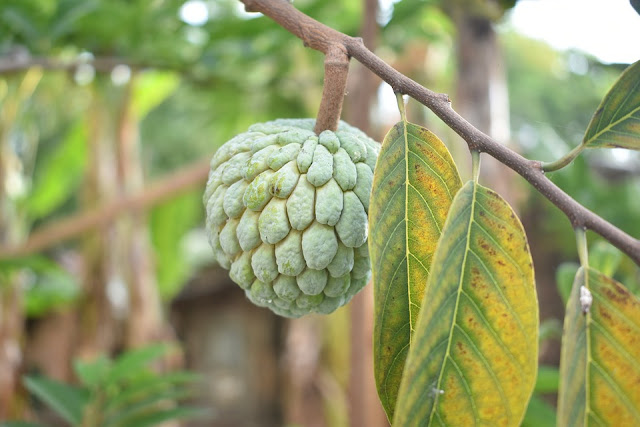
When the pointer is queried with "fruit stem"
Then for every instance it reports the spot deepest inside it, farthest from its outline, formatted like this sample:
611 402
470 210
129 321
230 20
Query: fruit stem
336 70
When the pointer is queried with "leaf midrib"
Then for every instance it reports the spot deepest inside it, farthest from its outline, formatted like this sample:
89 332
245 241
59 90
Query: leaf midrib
589 361
447 354
406 228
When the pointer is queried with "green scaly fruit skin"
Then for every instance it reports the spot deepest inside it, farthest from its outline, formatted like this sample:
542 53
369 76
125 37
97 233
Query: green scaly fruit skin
287 214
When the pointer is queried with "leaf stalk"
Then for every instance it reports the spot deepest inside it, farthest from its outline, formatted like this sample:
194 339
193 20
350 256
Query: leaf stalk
563 161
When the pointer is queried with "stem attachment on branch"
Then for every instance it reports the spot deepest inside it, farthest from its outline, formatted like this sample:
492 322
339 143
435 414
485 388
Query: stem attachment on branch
336 70
402 106
563 161
581 242
475 165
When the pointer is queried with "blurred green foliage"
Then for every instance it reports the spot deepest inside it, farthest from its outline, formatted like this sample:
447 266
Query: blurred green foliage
553 96
194 86
120 392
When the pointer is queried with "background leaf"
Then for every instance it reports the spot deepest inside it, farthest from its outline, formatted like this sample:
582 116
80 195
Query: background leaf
547 379
616 122
539 414
66 400
475 350
413 185
59 174
599 370
604 257
134 363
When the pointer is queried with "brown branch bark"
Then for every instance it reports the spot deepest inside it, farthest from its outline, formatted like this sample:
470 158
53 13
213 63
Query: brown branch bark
336 70
320 37
70 227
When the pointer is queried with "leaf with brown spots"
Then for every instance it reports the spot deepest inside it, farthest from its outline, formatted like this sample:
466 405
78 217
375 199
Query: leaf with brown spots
414 183
616 122
474 355
600 361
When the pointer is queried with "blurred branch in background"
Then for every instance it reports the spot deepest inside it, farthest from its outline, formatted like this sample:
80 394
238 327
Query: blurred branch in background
162 189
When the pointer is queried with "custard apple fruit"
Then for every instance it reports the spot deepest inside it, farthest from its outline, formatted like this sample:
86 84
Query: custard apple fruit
287 214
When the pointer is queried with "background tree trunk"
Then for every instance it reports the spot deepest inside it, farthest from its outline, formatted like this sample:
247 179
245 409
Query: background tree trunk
13 230
364 405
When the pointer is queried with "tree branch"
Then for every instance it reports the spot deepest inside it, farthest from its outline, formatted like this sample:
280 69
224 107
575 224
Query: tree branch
320 37
22 61
70 227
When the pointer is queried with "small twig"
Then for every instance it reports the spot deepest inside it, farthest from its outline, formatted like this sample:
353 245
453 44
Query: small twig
70 227
320 37
336 70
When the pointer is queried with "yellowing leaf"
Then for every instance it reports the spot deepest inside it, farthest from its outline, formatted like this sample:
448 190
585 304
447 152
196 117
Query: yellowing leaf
600 361
414 183
616 122
474 354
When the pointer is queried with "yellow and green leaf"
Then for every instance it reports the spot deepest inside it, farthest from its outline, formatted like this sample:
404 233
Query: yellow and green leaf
600 361
616 122
414 183
473 358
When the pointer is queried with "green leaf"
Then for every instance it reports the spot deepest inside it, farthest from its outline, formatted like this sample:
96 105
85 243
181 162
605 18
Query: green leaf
414 182
151 89
133 362
66 400
49 287
50 290
93 373
147 405
604 257
599 369
539 414
150 385
170 222
547 380
158 417
58 175
474 354
565 274
616 122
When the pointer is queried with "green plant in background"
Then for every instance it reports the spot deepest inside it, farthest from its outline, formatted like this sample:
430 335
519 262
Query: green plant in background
120 392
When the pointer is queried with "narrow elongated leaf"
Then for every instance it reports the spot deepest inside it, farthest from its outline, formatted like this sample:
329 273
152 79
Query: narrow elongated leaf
133 362
172 414
616 122
66 400
599 368
414 182
146 386
474 354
